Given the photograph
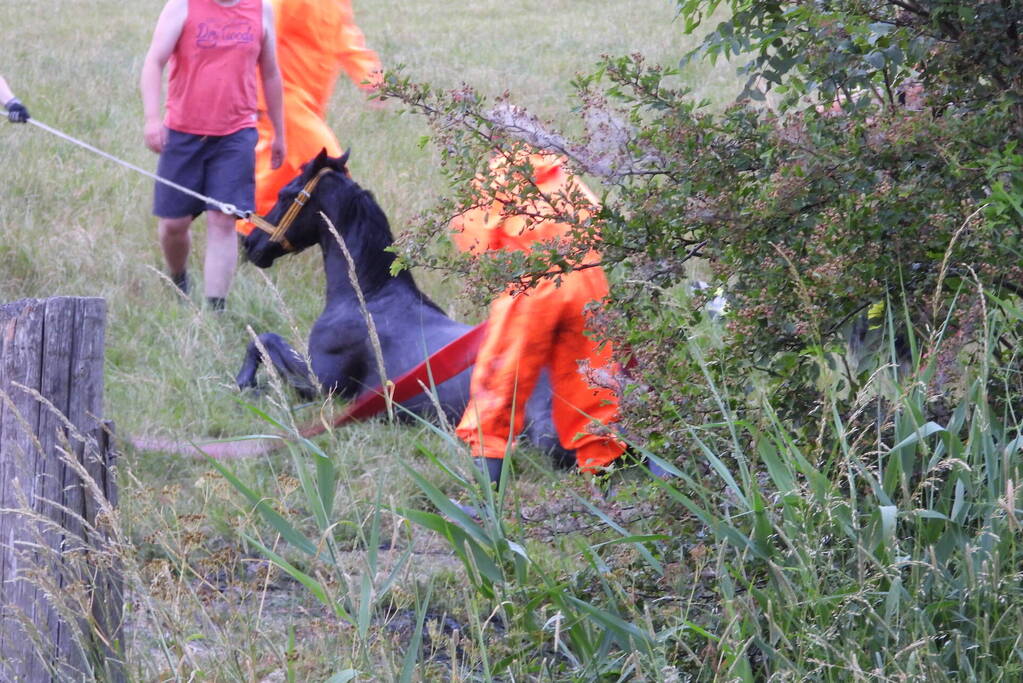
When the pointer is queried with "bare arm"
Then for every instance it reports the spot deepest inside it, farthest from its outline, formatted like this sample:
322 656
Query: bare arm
5 92
165 37
272 87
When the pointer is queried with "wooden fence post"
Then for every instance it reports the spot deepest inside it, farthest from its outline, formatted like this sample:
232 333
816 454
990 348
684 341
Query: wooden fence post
60 595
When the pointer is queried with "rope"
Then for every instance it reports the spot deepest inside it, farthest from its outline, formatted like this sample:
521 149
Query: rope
438 368
225 207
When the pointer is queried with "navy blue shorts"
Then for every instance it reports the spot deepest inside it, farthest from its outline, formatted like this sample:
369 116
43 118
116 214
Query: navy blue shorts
222 167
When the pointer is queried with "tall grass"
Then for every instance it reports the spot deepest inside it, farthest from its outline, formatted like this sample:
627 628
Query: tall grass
884 548
888 548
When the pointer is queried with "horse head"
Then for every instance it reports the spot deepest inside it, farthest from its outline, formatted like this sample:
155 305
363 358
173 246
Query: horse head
298 205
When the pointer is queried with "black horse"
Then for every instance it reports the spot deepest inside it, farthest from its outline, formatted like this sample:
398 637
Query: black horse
410 327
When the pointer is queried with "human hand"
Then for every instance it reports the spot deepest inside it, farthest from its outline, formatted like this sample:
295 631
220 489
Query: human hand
16 111
277 151
155 135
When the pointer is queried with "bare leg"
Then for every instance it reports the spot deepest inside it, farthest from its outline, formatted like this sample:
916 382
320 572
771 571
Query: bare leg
176 241
221 253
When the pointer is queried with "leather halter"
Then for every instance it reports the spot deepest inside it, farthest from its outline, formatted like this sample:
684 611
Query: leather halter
277 232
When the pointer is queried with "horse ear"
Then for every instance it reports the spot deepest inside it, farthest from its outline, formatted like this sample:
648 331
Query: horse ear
322 159
342 161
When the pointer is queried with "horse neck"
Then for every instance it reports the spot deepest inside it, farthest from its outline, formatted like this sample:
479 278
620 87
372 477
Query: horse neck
372 269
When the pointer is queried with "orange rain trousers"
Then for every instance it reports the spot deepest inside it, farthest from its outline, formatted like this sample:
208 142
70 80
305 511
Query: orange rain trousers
316 40
543 327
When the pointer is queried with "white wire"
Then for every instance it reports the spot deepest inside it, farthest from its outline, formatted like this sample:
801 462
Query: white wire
223 206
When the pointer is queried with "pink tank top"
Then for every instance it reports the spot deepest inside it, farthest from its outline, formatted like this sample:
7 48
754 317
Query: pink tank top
212 82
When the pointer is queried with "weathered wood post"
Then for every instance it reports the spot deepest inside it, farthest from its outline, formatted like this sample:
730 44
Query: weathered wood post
60 596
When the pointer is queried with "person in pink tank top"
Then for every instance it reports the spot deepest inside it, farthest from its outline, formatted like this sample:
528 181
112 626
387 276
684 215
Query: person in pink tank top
217 51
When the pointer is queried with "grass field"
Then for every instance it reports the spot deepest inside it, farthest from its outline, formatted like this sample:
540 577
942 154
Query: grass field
72 223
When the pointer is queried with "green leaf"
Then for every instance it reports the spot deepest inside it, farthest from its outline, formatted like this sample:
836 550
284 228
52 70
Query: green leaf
365 605
779 471
627 635
460 542
326 484
892 602
876 59
633 539
889 517
927 430
718 466
931 514
654 563
880 28
274 518
959 503
314 586
408 668
448 508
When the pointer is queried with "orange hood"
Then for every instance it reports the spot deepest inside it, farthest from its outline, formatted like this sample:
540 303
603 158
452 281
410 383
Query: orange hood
494 225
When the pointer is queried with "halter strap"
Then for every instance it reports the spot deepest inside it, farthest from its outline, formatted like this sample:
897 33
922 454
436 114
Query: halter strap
277 232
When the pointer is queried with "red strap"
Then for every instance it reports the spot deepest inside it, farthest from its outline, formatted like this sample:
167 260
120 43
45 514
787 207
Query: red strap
435 370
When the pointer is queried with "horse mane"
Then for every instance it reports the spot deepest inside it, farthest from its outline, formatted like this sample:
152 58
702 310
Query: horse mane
368 236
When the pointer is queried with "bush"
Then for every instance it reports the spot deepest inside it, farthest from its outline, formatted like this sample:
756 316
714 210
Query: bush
843 200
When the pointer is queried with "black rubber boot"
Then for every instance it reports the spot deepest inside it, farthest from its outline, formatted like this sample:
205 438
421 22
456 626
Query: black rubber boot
180 281
492 467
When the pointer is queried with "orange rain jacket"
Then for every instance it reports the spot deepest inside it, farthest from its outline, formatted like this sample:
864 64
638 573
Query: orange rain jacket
542 327
316 39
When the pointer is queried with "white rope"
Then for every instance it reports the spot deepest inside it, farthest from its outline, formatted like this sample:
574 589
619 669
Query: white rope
230 209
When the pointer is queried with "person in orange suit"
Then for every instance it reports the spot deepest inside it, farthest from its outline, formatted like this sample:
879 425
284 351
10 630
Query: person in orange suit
545 326
316 40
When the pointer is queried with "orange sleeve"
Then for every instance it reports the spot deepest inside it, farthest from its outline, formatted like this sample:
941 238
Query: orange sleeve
360 63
